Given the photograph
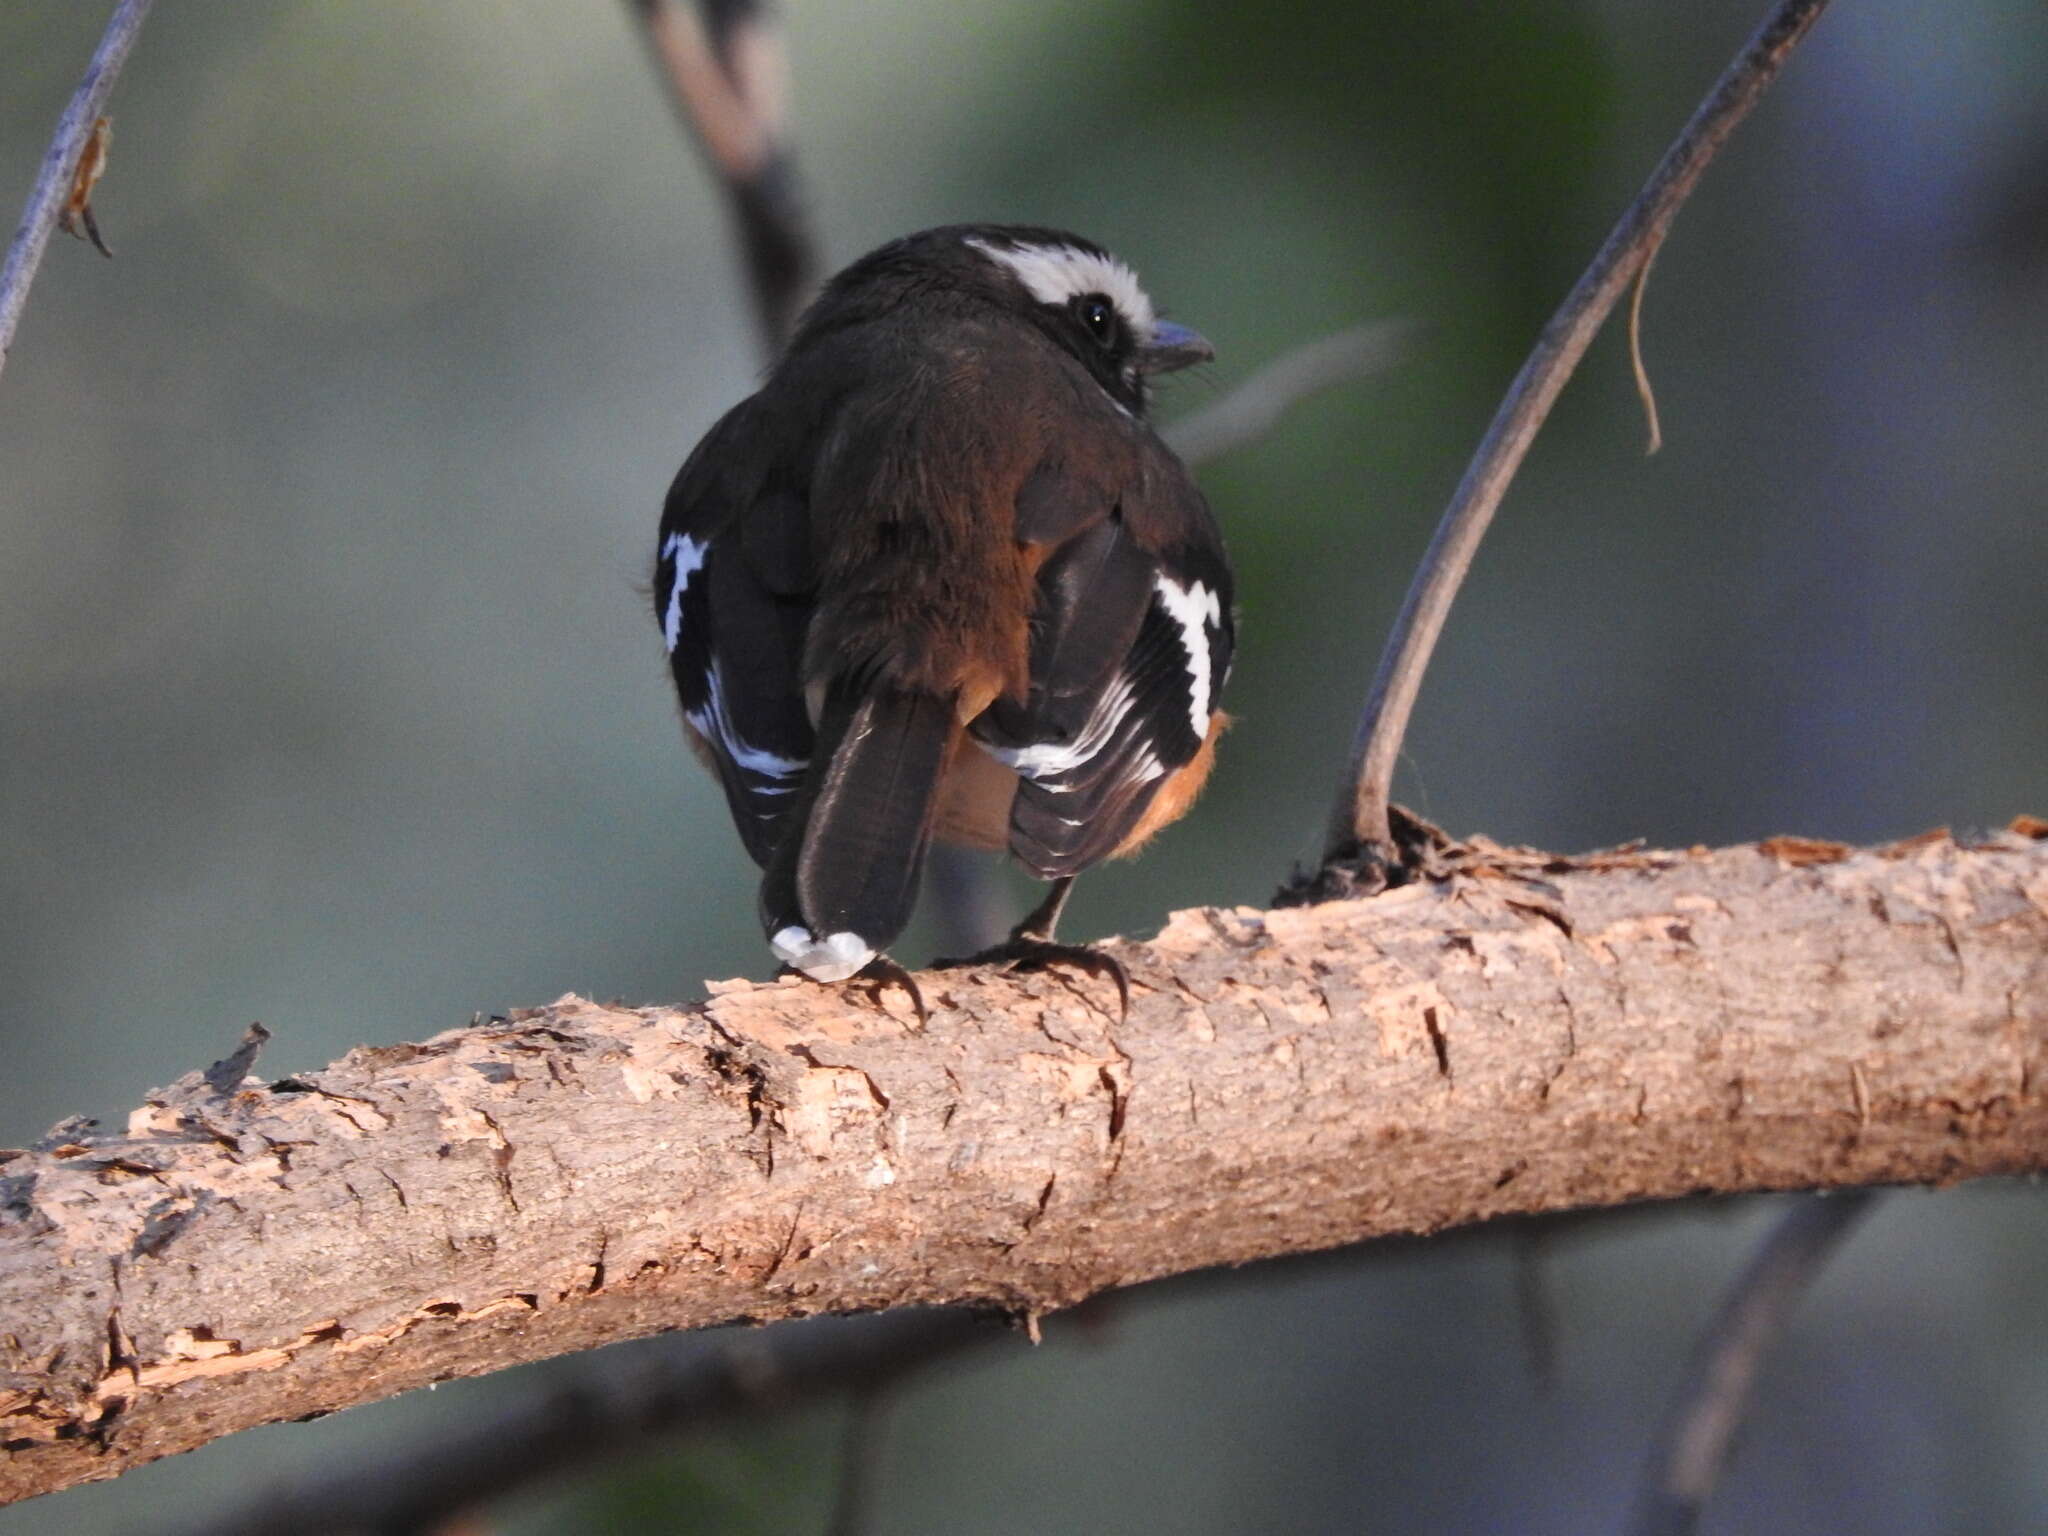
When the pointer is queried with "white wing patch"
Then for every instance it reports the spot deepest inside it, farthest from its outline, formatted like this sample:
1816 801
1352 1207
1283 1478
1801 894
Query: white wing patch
688 555
715 722
1196 610
1056 273
1050 759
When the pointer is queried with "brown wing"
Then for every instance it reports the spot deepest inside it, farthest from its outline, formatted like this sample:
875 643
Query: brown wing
1131 639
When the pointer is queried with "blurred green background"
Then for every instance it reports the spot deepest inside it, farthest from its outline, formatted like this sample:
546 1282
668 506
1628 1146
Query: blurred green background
329 697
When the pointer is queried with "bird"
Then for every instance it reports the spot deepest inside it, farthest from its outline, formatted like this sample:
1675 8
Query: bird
938 578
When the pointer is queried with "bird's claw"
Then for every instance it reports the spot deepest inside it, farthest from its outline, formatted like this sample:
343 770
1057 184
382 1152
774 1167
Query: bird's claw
881 973
1020 952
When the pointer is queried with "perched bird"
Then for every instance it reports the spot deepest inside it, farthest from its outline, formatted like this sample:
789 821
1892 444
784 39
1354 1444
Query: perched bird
939 578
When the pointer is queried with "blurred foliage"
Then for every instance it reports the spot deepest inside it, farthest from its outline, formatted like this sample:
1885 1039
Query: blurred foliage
777 1479
328 695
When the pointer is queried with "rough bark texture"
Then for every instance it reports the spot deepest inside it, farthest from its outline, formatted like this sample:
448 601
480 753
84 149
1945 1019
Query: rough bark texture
1526 1034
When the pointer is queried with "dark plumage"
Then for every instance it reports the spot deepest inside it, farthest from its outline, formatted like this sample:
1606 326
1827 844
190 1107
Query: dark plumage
938 577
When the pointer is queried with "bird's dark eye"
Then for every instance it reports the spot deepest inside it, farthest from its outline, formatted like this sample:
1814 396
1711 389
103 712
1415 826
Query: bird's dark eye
1099 315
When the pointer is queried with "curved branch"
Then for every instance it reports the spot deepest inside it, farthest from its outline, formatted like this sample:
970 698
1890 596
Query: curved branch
727 76
603 1416
1358 829
60 165
1523 1034
1693 1445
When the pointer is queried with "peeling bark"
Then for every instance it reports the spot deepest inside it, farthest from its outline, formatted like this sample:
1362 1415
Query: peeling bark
1526 1034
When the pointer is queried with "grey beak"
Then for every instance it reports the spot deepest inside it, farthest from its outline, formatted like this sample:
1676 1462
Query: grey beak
1173 346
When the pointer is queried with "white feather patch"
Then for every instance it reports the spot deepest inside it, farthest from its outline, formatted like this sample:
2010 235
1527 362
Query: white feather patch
1196 610
833 958
1056 273
715 722
688 555
1050 759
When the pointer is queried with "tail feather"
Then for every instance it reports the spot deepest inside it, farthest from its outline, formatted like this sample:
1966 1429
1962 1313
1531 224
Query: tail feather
853 879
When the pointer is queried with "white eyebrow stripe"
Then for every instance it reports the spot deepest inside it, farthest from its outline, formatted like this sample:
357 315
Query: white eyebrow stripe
1057 273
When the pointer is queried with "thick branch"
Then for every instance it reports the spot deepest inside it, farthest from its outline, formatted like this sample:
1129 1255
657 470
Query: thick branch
1521 1035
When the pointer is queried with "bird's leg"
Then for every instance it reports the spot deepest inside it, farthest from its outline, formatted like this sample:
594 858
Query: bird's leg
1031 947
1041 920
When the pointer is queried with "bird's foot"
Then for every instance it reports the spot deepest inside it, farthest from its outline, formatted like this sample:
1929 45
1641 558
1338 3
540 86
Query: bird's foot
1022 952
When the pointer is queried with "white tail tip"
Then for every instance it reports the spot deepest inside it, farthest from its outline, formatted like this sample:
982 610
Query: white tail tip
833 958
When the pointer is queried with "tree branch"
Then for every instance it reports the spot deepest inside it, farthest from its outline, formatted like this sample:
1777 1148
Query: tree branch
726 73
60 165
1709 1407
637 1406
1521 1034
1359 833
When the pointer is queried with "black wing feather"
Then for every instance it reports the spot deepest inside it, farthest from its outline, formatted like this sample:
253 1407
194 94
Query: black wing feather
729 597
1129 649
870 820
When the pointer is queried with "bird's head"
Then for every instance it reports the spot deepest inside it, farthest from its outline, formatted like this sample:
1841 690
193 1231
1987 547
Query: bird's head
1071 290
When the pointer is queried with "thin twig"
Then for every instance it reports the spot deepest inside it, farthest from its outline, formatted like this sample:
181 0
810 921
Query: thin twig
1692 1447
1358 828
860 1453
1535 1304
60 165
1248 412
667 1389
599 1416
1644 392
728 78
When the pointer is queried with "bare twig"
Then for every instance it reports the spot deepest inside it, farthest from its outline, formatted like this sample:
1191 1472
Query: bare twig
670 1388
1358 830
1535 1305
1644 392
52 191
860 1452
607 1415
727 75
1692 1446
1249 411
